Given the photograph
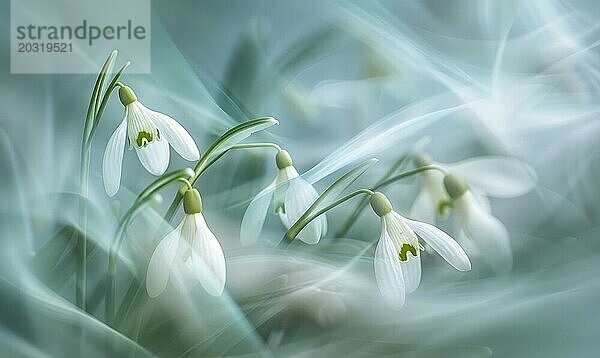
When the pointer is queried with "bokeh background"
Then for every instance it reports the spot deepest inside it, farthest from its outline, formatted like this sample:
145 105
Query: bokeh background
348 81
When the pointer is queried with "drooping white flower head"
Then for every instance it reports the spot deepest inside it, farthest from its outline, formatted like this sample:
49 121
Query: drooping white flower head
432 200
487 233
150 133
188 255
397 256
487 176
290 195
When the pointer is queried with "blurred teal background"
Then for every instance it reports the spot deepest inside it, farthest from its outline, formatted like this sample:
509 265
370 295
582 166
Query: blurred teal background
512 78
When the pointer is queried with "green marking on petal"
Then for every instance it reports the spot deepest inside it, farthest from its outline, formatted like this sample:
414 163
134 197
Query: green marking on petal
443 207
402 255
144 138
280 209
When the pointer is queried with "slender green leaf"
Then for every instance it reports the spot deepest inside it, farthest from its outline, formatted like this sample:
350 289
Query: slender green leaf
232 137
340 185
223 143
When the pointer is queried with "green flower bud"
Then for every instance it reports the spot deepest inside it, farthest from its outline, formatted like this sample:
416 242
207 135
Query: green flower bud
192 204
283 159
380 204
422 160
455 187
126 95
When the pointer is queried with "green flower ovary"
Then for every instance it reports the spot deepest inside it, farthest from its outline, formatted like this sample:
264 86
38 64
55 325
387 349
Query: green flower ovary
406 248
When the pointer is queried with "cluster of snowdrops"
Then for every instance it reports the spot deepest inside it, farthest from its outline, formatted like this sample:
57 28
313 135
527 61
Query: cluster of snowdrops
190 254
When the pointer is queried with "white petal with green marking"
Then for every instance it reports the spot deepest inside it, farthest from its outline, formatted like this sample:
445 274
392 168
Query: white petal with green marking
141 131
155 157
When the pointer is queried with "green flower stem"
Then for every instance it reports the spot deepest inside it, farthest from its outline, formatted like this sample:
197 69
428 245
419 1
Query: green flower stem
173 207
344 180
385 180
407 174
212 150
140 203
365 201
238 146
81 246
302 222
186 182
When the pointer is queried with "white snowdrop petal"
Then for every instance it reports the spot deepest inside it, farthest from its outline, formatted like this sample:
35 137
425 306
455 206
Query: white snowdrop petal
497 176
208 261
141 131
324 227
399 232
255 215
112 161
285 221
175 134
492 239
443 244
183 277
401 235
159 268
286 174
155 156
433 182
468 245
282 184
299 197
486 232
411 272
482 200
388 273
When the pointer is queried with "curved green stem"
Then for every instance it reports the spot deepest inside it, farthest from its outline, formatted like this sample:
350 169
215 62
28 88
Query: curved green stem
141 201
407 174
186 182
347 178
302 222
81 246
238 146
385 180
365 201
227 135
198 169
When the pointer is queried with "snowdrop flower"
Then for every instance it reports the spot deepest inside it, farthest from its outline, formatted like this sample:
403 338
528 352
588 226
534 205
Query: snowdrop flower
187 255
495 176
290 196
488 234
397 256
150 133
432 200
